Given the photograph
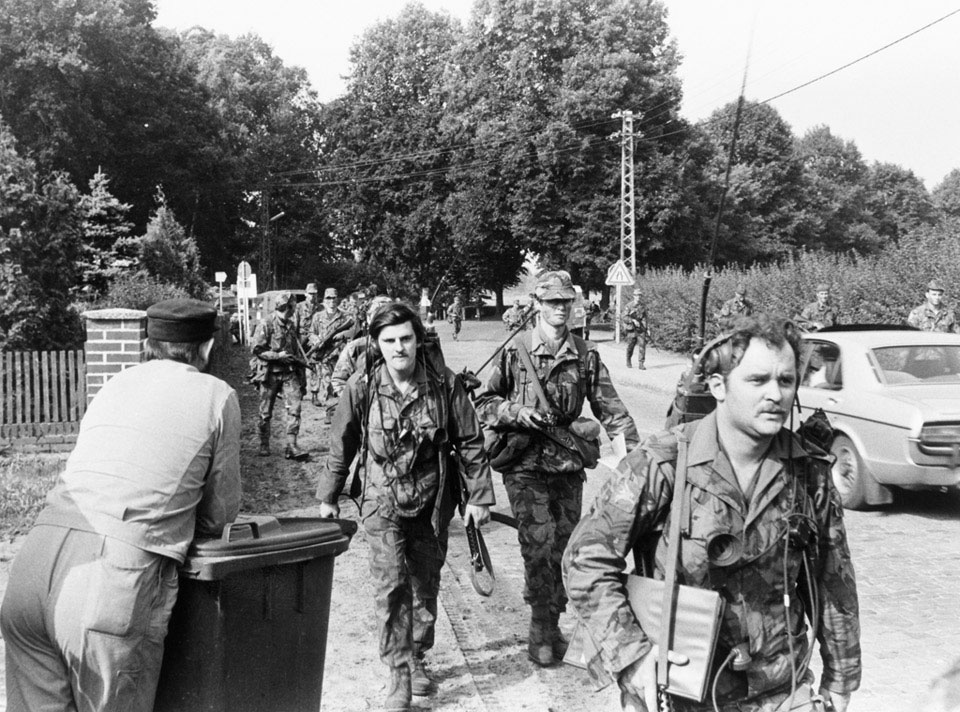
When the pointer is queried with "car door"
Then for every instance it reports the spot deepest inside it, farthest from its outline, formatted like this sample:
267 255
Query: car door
821 381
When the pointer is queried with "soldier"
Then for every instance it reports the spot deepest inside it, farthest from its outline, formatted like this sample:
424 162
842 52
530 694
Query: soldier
932 315
545 482
591 311
415 419
280 366
732 308
156 462
304 315
330 329
762 525
353 356
455 316
634 322
819 314
514 316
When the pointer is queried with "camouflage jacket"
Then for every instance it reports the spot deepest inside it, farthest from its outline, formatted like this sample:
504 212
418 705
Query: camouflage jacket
818 317
330 332
635 318
513 316
408 438
273 335
304 316
567 381
731 309
636 502
352 359
927 319
455 312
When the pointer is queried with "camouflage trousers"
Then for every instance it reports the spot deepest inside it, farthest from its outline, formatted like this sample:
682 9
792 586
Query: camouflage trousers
291 384
406 556
547 508
318 380
638 341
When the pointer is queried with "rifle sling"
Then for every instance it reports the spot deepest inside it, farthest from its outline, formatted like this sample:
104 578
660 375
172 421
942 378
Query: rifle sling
670 565
534 376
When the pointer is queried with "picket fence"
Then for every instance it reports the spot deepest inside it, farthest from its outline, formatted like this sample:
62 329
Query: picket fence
42 399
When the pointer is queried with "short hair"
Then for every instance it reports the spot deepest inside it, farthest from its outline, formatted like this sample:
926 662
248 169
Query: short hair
772 330
394 314
187 352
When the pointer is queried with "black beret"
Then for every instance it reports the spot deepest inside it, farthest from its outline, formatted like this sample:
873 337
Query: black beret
181 320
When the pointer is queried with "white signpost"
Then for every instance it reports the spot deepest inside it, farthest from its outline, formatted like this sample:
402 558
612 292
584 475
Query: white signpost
246 290
618 276
221 277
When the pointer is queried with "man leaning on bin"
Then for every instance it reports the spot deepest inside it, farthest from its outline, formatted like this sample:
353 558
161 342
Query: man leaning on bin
761 524
91 591
412 421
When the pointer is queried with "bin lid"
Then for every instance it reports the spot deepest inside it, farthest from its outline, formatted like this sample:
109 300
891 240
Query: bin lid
256 541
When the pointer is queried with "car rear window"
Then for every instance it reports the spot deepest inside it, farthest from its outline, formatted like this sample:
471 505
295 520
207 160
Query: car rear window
919 364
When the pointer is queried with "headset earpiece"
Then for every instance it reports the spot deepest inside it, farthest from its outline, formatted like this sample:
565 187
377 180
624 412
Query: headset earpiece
716 356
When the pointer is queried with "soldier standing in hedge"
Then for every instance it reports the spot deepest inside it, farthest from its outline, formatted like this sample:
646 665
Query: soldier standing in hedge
634 321
819 314
733 308
932 315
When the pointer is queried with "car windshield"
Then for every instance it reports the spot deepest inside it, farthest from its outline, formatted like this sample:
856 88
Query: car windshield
919 364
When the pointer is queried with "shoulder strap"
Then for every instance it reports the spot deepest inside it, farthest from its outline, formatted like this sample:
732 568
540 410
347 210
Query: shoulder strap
534 376
670 565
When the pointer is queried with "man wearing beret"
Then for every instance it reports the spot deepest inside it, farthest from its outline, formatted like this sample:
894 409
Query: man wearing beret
157 461
545 481
932 315
819 314
280 368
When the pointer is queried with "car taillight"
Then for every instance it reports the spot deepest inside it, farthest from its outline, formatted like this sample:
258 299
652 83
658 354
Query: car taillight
940 439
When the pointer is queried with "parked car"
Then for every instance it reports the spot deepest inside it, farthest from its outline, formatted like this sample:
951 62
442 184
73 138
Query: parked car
892 396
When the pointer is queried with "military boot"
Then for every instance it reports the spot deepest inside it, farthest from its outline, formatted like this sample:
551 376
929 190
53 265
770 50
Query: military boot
420 683
264 440
540 641
314 399
292 452
558 642
398 694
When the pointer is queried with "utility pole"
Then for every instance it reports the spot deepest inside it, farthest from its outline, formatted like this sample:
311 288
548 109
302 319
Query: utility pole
628 234
266 267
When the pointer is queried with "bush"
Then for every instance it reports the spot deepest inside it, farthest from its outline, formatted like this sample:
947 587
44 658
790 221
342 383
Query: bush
879 289
138 291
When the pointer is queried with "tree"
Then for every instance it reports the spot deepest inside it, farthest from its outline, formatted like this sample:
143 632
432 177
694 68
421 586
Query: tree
168 254
836 178
531 89
105 233
897 201
40 229
946 196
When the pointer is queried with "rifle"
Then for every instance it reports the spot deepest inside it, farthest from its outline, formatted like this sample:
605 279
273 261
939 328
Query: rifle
303 361
314 350
469 378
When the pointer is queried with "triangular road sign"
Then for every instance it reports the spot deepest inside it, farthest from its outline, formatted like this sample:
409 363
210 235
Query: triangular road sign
619 274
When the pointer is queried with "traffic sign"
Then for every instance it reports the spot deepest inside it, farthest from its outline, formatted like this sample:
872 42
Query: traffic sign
619 275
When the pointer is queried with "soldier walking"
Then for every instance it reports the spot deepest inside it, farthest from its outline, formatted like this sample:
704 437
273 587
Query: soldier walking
304 316
280 367
455 316
514 316
545 481
330 329
408 421
932 315
819 314
634 322
761 523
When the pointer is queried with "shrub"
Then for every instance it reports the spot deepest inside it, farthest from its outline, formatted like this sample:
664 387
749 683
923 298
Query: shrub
138 291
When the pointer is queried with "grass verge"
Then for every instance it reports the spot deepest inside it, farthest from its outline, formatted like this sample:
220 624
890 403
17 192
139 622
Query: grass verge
24 483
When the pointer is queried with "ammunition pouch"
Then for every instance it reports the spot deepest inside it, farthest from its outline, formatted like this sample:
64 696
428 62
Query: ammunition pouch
504 446
586 437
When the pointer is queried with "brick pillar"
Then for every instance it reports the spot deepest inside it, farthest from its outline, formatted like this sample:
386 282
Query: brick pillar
114 342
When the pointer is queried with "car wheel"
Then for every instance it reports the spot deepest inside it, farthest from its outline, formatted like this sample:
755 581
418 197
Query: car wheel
848 473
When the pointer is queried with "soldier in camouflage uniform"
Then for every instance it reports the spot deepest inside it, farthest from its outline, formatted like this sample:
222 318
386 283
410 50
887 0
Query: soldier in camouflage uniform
819 314
330 329
280 367
932 315
635 327
733 308
304 316
353 356
747 475
408 421
455 316
545 483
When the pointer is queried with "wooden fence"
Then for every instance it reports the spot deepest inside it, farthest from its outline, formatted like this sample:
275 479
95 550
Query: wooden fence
42 398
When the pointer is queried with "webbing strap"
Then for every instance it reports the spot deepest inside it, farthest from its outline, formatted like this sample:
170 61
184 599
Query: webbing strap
670 571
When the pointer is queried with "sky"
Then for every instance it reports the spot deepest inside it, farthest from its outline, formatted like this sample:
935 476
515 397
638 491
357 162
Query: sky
901 105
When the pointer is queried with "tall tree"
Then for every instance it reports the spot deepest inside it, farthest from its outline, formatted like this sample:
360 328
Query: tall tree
897 201
105 231
946 196
532 89
168 254
40 230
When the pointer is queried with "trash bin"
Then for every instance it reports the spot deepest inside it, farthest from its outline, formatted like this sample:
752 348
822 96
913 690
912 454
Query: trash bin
249 629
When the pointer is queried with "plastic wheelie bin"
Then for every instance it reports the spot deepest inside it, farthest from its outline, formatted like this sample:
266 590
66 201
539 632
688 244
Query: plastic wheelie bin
249 629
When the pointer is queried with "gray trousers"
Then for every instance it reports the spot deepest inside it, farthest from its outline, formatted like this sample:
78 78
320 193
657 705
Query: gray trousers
83 622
